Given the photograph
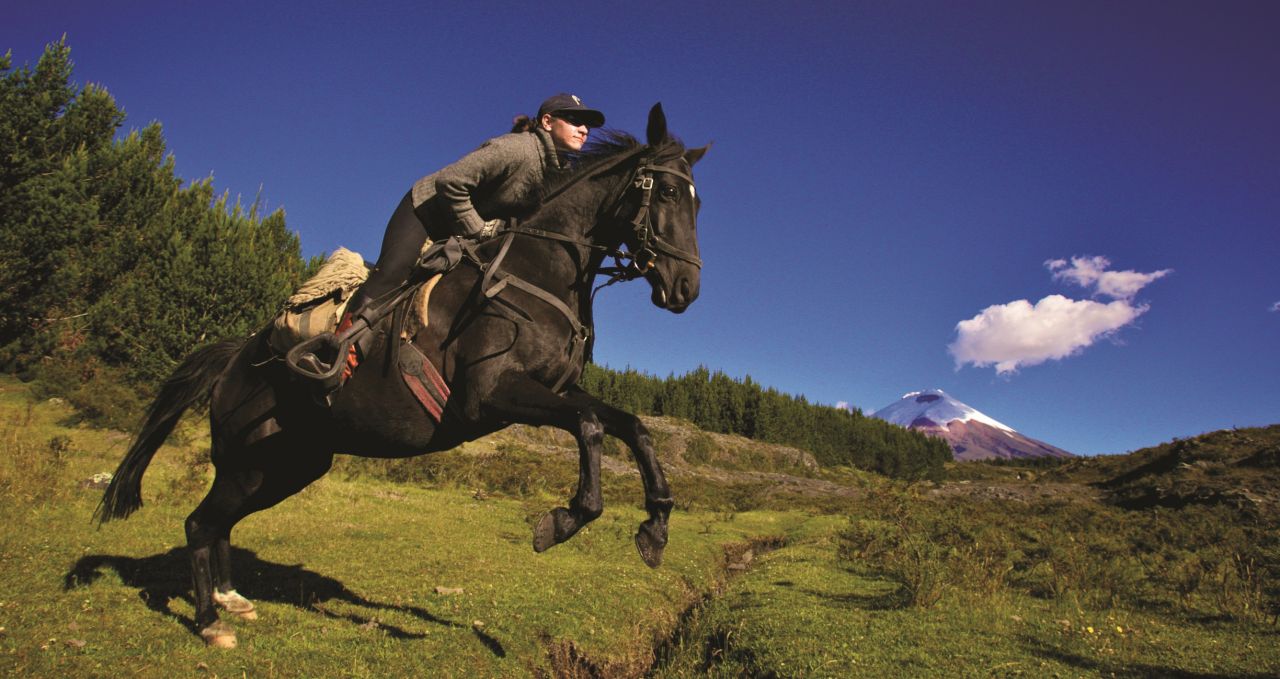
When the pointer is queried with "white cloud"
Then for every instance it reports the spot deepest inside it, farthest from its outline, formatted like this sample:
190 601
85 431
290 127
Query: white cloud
1275 307
1020 334
1092 272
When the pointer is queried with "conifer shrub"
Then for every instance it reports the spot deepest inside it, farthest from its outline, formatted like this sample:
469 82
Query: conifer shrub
717 403
112 271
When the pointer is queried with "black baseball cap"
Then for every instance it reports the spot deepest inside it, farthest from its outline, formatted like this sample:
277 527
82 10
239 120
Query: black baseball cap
568 103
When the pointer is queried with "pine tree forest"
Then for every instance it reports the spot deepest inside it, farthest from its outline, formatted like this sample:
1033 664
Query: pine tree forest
716 402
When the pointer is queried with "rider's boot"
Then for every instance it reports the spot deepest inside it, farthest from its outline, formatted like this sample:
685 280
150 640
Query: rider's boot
353 352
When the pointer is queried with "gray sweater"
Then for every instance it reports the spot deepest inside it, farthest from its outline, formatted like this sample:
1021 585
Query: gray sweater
497 180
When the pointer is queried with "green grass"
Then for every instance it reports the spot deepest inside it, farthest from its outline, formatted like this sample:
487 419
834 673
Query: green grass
805 612
345 577
344 574
884 582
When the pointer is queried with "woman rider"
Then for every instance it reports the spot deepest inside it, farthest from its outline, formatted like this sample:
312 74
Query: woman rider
475 195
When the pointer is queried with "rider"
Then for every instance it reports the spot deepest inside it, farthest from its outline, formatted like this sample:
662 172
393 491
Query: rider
474 196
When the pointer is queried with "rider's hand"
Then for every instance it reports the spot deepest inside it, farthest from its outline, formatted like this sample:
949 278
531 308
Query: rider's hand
490 229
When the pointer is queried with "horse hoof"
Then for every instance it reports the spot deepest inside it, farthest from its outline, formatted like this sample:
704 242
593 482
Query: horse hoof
544 534
554 527
235 604
650 547
219 635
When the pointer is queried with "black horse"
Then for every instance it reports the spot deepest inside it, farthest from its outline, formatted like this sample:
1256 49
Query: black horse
507 330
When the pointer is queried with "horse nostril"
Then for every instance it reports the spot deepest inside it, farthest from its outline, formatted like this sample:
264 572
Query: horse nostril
684 289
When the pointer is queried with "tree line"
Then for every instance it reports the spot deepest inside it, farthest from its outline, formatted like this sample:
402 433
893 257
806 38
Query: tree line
716 402
112 271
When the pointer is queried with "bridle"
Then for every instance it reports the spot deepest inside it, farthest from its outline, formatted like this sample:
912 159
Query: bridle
641 255
648 243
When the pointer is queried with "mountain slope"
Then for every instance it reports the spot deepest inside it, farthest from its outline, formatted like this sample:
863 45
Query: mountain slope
1235 467
971 434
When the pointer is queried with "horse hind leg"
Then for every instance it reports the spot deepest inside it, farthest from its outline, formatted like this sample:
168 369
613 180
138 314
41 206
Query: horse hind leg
237 492
225 595
206 526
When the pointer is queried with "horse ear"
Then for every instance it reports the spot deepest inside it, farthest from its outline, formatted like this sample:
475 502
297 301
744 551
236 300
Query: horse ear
657 131
694 155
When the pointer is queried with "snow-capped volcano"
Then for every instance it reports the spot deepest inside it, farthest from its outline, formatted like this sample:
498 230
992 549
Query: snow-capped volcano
971 434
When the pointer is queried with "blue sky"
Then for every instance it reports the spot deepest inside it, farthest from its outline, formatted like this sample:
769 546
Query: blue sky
1063 214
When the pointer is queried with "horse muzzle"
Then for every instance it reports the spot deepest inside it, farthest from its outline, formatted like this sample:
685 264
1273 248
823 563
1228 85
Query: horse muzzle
675 297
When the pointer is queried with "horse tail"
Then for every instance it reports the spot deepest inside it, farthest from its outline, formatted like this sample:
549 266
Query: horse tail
189 386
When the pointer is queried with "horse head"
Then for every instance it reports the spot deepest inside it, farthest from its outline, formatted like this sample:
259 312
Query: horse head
664 234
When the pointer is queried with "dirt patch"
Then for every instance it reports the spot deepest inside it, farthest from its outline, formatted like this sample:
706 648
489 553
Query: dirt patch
569 662
739 558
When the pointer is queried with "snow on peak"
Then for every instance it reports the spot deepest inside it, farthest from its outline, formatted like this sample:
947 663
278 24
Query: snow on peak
934 405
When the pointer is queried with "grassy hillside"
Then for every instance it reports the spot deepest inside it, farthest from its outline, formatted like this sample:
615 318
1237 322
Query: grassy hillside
775 568
1239 467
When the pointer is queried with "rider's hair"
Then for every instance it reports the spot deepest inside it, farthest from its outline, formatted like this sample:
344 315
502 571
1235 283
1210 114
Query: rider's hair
523 123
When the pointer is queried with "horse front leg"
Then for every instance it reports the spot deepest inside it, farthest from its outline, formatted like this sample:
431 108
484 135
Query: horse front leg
524 401
651 538
587 504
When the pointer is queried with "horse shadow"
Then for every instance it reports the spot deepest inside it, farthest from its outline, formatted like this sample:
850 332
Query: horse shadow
161 578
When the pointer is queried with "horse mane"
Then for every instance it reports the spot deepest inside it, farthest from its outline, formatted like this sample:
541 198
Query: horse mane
604 147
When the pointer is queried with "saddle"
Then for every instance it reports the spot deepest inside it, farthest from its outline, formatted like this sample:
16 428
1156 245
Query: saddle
310 318
318 304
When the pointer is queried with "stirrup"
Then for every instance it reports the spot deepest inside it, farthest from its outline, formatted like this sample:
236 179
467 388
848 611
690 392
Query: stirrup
307 360
322 360
311 363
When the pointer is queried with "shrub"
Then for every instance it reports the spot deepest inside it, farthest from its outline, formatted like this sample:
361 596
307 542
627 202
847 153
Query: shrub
101 395
915 544
699 449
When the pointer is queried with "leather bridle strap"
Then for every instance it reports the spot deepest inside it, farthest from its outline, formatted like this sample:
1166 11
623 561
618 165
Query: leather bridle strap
642 224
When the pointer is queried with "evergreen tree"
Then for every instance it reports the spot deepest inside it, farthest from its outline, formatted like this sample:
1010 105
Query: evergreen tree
105 258
48 135
716 402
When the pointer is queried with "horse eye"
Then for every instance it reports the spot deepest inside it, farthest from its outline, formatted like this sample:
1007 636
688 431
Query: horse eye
669 192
